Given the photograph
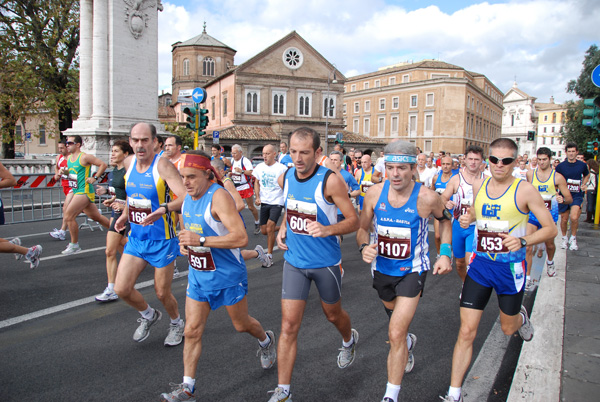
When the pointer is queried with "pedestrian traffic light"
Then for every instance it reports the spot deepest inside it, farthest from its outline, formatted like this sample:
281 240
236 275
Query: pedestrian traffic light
203 119
593 112
192 119
530 135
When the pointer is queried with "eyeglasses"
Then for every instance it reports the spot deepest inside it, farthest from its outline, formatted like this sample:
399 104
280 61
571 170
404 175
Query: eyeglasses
69 143
505 161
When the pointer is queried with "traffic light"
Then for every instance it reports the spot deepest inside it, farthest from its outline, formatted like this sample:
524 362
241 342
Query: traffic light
595 148
530 135
590 146
192 119
203 119
593 112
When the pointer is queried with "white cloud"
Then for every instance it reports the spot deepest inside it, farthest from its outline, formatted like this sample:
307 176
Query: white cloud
542 42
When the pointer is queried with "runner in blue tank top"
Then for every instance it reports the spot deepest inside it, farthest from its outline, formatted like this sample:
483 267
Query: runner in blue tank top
149 182
212 235
400 210
438 184
501 209
309 236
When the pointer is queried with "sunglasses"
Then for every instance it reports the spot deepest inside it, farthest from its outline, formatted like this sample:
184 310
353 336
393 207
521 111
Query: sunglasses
68 143
505 161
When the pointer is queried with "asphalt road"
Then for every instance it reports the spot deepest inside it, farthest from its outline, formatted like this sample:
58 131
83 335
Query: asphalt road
57 344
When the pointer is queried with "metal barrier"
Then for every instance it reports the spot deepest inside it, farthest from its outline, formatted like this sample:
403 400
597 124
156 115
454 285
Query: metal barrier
39 197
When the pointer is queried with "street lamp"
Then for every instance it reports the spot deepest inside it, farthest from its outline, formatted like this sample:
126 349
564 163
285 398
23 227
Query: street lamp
328 108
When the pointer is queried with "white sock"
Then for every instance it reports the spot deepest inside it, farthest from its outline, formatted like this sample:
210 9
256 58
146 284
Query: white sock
285 387
349 343
528 277
111 287
191 382
392 391
572 238
256 222
549 262
148 313
454 393
265 342
176 321
564 237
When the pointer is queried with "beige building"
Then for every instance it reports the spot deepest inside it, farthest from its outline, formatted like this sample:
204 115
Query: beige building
433 104
550 126
37 135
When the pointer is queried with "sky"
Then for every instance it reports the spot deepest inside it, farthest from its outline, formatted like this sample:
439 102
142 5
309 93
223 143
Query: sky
539 43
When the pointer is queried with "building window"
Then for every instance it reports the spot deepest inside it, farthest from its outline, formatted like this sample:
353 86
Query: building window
543 140
356 107
382 104
560 154
366 85
551 140
186 67
545 129
512 120
355 126
429 100
42 133
552 129
329 105
224 104
377 83
413 100
279 100
392 80
394 125
367 126
553 118
395 102
428 146
562 117
252 101
429 124
345 109
353 88
304 103
208 66
367 106
18 134
545 117
292 58
405 78
412 125
381 126
212 102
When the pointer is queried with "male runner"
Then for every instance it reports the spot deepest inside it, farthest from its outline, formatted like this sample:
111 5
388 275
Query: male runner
81 182
212 236
173 146
309 236
269 196
363 178
61 171
577 175
353 188
424 173
399 257
149 181
438 184
548 182
241 172
458 195
520 171
501 207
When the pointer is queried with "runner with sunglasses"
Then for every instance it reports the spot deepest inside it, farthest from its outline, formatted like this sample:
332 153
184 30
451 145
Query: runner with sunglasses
500 209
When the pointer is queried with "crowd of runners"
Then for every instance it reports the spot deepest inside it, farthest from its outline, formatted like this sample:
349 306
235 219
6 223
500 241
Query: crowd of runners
491 214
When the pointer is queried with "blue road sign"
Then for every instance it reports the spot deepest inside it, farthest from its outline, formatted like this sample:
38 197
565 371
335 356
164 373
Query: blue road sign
215 137
596 76
28 136
198 95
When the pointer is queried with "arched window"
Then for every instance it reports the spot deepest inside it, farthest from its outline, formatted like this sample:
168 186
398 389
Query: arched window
208 66
186 67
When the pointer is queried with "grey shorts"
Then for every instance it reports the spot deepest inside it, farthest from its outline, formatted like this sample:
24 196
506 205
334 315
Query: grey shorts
296 283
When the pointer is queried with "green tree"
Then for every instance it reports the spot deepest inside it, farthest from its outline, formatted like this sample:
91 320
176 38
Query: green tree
186 135
38 48
583 87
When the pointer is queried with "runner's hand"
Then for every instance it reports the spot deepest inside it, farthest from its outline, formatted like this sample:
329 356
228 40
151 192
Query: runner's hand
315 229
187 238
153 217
450 205
369 253
512 243
281 238
120 223
442 266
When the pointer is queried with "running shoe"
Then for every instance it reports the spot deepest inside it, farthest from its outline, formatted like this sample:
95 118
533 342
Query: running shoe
387 399
573 244
142 332
175 273
268 354
72 248
526 330
346 355
279 395
107 295
175 334
448 398
17 242
181 392
528 285
262 256
550 269
564 243
58 234
256 229
270 261
411 358
33 256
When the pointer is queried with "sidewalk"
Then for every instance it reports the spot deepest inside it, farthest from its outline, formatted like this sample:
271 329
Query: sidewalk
562 362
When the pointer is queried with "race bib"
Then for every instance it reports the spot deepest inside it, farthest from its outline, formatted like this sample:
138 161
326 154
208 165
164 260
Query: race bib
547 201
364 186
236 178
574 185
111 191
488 236
139 209
201 259
439 190
393 242
465 203
299 214
72 180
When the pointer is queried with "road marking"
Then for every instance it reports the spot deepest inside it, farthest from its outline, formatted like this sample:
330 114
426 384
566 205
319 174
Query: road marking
87 250
62 307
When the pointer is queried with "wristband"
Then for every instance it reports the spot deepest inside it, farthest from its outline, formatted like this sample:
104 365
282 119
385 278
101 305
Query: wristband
446 249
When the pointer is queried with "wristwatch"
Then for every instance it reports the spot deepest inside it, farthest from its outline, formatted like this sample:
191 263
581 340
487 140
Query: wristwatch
165 206
202 240
523 242
362 246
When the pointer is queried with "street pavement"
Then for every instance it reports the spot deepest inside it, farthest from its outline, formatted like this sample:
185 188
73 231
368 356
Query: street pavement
58 344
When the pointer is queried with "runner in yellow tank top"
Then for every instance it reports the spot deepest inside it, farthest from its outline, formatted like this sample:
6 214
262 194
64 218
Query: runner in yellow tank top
83 191
492 201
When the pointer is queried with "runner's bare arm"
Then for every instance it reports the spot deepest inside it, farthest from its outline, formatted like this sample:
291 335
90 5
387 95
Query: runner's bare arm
8 180
437 209
336 192
565 194
365 224
449 191
171 175
239 203
87 159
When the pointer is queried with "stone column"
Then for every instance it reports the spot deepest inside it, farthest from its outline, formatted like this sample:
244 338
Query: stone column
100 62
85 60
